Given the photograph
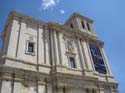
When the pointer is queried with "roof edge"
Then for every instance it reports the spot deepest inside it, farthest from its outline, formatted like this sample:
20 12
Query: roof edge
75 14
20 15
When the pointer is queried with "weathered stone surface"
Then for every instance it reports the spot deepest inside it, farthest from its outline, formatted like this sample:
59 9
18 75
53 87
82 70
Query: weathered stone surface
48 68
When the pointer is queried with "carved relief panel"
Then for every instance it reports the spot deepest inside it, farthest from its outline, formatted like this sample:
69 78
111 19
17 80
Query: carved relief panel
69 45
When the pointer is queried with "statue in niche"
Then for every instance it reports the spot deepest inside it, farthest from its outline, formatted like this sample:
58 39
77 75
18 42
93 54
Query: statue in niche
70 46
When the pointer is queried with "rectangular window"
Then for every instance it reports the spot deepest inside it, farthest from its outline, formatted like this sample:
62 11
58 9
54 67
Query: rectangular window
93 91
30 47
88 26
83 25
72 62
97 58
71 25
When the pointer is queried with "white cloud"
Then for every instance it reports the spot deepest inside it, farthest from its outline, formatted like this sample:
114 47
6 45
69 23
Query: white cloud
62 11
48 4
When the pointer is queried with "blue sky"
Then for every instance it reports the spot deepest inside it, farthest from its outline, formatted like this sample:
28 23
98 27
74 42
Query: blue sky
109 17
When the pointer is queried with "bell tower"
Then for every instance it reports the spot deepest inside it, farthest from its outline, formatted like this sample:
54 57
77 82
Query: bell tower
82 23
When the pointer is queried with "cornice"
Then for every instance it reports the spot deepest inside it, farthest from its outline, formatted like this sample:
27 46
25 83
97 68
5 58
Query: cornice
21 73
103 75
26 18
25 61
72 76
23 18
72 86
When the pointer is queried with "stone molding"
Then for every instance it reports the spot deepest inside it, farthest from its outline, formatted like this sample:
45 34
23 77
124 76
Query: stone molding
21 74
25 62
72 76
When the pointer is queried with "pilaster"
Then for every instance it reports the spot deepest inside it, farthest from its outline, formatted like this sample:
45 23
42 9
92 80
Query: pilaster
62 49
41 46
56 52
86 55
12 39
6 87
82 61
106 61
79 24
21 41
52 48
42 87
59 48
46 46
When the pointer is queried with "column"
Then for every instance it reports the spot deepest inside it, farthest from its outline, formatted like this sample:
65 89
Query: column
46 46
82 61
52 47
37 46
41 88
56 52
59 48
6 87
41 46
49 87
17 87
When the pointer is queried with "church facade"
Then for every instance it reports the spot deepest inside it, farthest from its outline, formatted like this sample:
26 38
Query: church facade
40 57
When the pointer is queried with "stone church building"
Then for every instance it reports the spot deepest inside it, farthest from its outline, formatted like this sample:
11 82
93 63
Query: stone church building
48 57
